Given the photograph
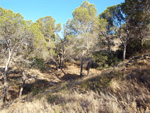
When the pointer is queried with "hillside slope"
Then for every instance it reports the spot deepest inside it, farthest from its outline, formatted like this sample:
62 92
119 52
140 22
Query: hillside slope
121 89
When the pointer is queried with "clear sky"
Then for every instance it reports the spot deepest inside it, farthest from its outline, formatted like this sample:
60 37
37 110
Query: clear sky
60 10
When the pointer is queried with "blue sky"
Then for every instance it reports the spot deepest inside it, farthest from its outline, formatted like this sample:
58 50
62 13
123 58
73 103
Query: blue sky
60 10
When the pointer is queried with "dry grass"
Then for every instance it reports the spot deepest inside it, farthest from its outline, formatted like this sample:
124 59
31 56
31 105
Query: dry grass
75 102
70 103
116 90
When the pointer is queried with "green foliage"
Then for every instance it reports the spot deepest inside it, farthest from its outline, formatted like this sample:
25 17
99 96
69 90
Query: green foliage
11 24
114 61
83 27
46 37
83 17
103 25
39 43
47 26
103 59
134 47
146 45
86 11
109 14
137 12
39 63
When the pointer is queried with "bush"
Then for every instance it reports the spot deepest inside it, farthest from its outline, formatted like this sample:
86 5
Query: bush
100 58
38 63
146 45
133 47
103 59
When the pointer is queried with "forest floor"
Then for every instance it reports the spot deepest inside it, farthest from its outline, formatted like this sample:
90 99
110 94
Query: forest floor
123 89
36 78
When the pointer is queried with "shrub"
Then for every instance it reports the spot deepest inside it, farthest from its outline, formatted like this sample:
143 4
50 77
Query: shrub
146 45
134 47
38 63
103 59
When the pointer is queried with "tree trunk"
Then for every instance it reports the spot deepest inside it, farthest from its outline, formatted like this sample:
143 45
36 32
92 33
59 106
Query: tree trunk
63 71
5 90
5 86
21 89
109 51
63 53
109 47
141 38
88 67
124 51
81 67
55 63
60 62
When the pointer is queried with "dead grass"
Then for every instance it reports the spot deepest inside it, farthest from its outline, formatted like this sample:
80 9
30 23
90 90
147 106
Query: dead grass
115 90
51 76
76 102
71 103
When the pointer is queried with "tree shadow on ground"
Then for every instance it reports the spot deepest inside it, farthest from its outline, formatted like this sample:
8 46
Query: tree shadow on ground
36 87
140 76
14 77
69 76
13 94
2 70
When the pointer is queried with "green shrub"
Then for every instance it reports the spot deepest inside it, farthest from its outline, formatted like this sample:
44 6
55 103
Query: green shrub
39 63
103 59
100 58
134 47
146 45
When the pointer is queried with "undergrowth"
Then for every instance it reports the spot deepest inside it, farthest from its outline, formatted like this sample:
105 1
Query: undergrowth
118 91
